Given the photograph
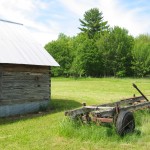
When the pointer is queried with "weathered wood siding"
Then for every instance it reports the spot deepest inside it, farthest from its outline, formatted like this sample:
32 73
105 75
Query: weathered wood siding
0 82
24 84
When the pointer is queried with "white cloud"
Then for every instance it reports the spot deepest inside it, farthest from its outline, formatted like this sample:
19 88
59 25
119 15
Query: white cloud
115 12
44 37
78 7
46 19
27 13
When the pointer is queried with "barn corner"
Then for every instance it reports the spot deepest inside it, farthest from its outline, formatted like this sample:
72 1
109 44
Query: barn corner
24 71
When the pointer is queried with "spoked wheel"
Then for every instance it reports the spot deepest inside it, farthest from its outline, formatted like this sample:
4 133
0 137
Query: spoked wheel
125 123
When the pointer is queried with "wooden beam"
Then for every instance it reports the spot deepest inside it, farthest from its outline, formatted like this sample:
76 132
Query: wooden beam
136 107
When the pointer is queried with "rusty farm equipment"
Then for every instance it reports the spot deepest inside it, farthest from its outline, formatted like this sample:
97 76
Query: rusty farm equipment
120 113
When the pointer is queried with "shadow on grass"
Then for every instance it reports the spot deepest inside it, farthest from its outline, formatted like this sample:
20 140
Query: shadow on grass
55 106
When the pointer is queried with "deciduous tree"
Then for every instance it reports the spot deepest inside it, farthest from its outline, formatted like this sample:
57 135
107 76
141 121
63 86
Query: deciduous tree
141 56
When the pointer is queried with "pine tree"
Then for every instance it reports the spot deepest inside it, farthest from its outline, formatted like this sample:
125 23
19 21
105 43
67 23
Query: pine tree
93 23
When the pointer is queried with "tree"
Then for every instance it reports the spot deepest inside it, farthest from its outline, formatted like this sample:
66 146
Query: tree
61 50
116 49
141 56
87 60
93 23
122 47
77 69
104 46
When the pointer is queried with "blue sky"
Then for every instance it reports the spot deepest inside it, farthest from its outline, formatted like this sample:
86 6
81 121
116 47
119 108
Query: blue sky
47 18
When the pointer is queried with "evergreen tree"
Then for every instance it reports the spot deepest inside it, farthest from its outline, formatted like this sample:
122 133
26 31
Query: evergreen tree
93 23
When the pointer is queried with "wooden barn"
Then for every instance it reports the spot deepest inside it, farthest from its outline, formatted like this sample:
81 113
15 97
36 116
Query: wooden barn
24 71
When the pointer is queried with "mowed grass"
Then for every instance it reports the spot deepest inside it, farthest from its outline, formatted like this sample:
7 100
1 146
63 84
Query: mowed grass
51 130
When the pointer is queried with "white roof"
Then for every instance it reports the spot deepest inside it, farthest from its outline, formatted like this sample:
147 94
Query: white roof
17 46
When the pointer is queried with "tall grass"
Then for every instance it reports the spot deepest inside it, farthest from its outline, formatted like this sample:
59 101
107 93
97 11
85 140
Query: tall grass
51 130
104 133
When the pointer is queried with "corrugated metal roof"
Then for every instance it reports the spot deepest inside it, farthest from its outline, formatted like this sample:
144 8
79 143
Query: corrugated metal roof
17 46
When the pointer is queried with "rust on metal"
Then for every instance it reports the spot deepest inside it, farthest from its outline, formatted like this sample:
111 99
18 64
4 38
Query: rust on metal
102 120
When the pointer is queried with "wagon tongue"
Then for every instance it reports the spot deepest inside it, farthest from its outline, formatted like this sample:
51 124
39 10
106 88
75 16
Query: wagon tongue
140 91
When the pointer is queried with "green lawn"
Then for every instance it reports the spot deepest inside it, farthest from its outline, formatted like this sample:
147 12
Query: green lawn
52 131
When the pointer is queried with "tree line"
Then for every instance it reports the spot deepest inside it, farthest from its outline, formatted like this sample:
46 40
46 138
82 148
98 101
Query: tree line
100 50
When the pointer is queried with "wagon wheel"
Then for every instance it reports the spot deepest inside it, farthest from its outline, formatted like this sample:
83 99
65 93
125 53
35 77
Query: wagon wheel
125 123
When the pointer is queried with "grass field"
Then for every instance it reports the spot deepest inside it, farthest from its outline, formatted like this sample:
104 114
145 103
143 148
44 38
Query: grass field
50 130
